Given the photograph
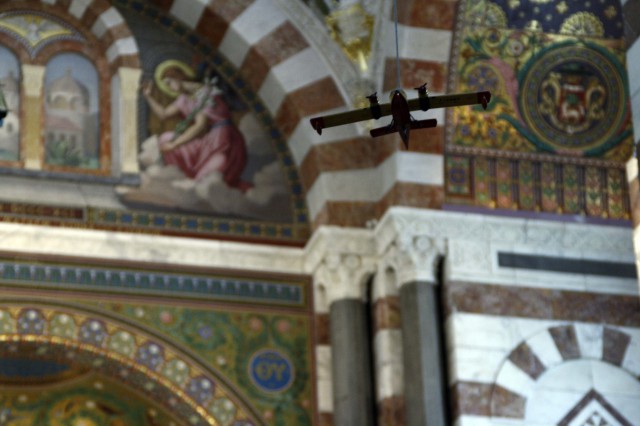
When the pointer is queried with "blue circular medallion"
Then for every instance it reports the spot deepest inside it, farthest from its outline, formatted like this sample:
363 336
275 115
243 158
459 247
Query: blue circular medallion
271 371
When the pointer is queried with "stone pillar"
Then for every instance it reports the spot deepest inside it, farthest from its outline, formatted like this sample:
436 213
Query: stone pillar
32 119
126 87
343 277
415 260
387 352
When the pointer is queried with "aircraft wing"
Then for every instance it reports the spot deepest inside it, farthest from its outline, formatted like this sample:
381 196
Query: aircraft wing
348 117
445 101
362 114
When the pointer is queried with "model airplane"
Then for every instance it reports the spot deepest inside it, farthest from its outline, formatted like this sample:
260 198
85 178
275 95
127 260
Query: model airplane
3 107
399 108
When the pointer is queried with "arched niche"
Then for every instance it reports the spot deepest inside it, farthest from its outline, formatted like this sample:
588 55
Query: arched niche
85 341
10 77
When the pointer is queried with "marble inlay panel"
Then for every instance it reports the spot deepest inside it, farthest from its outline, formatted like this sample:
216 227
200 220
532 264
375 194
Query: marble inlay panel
275 47
296 106
566 341
386 313
471 398
391 411
527 361
437 14
505 403
545 304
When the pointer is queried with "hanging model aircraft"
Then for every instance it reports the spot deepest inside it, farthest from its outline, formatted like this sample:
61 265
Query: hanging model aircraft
399 108
3 107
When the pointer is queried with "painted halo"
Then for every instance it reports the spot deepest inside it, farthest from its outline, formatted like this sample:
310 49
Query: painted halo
162 69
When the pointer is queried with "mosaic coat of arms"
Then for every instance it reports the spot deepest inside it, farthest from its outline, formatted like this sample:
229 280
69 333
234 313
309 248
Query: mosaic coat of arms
557 135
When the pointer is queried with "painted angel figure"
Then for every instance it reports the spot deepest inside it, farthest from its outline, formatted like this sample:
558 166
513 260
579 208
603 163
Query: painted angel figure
206 141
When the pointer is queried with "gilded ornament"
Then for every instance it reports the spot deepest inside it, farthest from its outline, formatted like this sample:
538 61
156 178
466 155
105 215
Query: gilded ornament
611 12
36 30
583 24
562 7
352 29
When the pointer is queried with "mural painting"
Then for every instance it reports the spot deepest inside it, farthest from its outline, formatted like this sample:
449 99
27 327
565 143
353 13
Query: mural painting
10 84
72 133
204 159
197 157
558 115
209 348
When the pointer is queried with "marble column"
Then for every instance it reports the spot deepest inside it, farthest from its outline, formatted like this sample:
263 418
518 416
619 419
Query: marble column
387 352
126 85
415 259
31 137
342 277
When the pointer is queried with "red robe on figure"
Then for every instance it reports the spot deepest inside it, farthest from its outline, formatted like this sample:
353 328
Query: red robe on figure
221 149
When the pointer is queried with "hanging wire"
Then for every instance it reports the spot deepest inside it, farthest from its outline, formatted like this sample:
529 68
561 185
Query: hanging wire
395 16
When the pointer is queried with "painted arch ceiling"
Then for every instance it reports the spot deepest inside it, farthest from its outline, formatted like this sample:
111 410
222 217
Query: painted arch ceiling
111 344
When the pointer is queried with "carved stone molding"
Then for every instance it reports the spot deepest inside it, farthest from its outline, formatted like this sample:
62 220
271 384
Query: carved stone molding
473 243
340 260
415 257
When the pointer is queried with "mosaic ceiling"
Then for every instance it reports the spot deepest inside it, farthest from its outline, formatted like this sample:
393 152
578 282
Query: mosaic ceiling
557 133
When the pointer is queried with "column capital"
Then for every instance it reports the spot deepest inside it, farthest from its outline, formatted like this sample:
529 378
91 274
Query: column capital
411 242
340 259
415 257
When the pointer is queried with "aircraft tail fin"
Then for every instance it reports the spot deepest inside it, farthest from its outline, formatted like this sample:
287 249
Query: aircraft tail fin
423 124
381 131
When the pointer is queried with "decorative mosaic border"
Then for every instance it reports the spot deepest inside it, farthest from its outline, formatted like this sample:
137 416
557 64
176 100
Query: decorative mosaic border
157 283
146 364
520 183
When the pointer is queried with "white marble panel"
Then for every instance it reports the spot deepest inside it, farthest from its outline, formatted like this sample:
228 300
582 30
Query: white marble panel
544 347
631 360
547 406
123 46
424 44
79 7
570 376
413 167
300 70
633 67
390 381
628 406
189 11
58 241
513 378
467 364
473 421
109 19
324 381
372 184
589 338
632 169
255 22
610 380
484 332
635 111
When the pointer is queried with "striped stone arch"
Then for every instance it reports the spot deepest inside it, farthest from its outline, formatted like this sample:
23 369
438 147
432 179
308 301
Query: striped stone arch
552 347
103 20
348 178
124 353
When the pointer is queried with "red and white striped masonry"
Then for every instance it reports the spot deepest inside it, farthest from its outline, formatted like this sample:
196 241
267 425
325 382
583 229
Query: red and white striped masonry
348 177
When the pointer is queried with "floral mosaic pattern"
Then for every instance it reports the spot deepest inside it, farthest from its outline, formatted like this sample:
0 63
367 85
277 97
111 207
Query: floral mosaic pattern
555 136
231 339
169 377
